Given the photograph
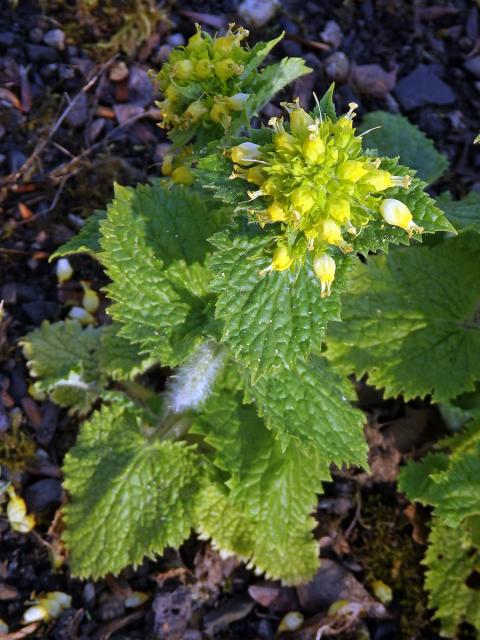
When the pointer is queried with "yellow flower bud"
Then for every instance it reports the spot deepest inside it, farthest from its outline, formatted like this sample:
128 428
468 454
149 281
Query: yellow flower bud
256 175
90 300
300 120
237 101
330 232
313 149
246 153
167 164
352 170
379 180
172 94
17 513
196 41
225 44
304 199
324 267
203 69
183 175
276 213
196 110
183 69
220 114
64 270
338 209
225 69
397 214
81 315
281 259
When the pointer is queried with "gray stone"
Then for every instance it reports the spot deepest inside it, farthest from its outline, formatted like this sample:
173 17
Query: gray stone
337 66
43 495
422 86
36 35
473 65
176 40
79 112
55 38
7 38
40 53
257 12
332 34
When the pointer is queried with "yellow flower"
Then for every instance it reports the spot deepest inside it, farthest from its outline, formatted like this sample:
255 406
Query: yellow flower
324 267
397 214
183 175
246 153
351 170
276 213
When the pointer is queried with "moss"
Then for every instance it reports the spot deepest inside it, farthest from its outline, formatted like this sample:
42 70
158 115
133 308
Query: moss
16 449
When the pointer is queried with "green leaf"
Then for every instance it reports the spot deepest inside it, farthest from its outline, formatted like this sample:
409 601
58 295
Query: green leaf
310 405
399 137
87 239
271 80
326 104
63 356
118 358
258 54
268 319
130 495
263 510
411 321
477 139
415 478
464 214
450 560
154 248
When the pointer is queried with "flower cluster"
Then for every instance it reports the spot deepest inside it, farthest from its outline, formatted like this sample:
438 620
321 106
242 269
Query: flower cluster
201 82
315 179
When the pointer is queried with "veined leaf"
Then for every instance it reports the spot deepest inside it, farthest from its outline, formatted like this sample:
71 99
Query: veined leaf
450 560
411 321
399 137
464 214
153 248
118 358
268 319
258 54
130 495
87 239
310 404
263 513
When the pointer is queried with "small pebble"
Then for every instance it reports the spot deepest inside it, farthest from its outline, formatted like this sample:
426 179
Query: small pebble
473 65
332 34
119 72
257 12
36 35
176 40
7 38
55 38
337 66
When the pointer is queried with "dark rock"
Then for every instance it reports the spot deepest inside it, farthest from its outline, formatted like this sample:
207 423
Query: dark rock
337 66
16 159
124 112
372 80
332 34
2 158
473 65
40 53
55 38
78 115
66 72
36 35
43 495
141 87
40 310
422 86
7 38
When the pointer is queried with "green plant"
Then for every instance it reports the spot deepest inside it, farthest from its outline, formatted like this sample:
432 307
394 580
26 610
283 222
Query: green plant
228 272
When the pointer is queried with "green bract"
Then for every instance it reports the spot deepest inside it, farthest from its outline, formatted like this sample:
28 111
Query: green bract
231 277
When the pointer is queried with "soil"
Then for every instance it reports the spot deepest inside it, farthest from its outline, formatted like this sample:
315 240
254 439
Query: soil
426 65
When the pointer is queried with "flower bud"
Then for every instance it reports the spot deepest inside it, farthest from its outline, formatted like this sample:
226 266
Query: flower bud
183 69
226 69
183 175
256 175
352 170
303 199
196 110
276 213
220 114
196 42
203 69
36 613
90 300
17 513
313 149
81 315
246 153
135 599
281 259
237 101
397 214
330 232
64 270
172 94
167 164
338 209
300 120
379 180
324 267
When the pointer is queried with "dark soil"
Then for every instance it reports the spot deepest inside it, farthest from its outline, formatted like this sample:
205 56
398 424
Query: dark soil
427 66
